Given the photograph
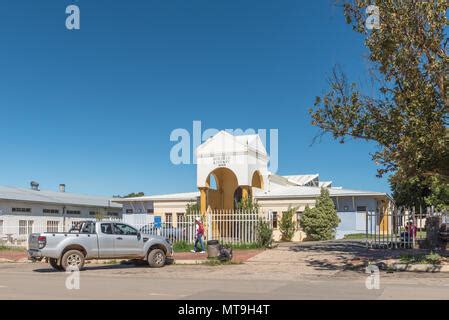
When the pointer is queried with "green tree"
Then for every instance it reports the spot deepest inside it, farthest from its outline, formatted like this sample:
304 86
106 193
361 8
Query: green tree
100 215
264 234
320 222
130 195
134 194
410 192
439 195
192 208
408 116
286 225
248 204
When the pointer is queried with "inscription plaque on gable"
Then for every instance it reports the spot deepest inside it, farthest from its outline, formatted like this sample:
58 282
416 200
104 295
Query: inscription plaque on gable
221 160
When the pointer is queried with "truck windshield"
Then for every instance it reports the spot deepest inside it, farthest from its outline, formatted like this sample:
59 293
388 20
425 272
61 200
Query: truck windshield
124 229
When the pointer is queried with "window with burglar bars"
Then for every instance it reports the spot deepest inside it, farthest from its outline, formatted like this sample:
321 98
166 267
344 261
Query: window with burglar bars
52 226
73 212
169 219
25 227
275 219
50 211
180 218
298 219
27 210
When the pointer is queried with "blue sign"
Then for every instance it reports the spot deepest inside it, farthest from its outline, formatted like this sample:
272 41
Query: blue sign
157 221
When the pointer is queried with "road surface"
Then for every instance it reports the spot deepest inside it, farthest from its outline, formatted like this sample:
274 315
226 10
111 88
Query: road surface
245 281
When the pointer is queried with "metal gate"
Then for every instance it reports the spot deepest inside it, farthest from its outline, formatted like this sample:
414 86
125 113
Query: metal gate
399 228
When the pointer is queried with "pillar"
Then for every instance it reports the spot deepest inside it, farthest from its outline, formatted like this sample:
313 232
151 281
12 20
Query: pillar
245 192
203 200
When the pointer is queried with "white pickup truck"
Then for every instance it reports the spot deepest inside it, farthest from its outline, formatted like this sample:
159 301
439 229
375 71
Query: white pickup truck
98 240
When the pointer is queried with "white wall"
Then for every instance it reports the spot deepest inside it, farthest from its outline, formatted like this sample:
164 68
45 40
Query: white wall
36 220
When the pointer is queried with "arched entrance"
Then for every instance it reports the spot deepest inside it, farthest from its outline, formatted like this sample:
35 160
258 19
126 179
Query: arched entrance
237 197
222 191
222 196
257 180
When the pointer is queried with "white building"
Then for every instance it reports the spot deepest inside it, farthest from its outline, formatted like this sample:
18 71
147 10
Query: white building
231 168
23 211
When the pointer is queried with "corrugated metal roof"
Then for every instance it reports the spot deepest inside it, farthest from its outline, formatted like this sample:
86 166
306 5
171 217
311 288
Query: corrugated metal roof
325 184
277 191
186 196
304 192
302 179
55 197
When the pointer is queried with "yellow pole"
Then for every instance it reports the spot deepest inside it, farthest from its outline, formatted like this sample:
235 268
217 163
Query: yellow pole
245 192
203 200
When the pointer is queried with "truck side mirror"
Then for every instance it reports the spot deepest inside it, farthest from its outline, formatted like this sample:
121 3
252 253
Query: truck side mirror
139 236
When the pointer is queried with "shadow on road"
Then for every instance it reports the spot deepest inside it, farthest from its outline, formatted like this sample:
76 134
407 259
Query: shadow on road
88 267
348 254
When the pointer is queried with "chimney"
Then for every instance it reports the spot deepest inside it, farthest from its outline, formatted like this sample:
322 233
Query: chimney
34 185
62 187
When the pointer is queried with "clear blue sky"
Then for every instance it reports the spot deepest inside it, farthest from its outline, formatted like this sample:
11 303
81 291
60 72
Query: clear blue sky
94 108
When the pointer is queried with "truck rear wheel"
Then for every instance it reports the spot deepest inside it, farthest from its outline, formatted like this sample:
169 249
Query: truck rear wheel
156 258
72 259
54 263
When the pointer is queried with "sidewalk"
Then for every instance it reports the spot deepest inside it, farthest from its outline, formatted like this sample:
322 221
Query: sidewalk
12 255
238 255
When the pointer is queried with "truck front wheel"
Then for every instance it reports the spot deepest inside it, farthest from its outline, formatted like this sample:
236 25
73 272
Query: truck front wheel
156 258
54 263
72 259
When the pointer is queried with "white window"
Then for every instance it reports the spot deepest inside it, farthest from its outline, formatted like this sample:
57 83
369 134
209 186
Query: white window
25 227
169 219
180 217
298 219
22 226
275 219
30 226
52 226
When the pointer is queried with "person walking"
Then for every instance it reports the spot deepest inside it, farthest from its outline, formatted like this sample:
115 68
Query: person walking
199 235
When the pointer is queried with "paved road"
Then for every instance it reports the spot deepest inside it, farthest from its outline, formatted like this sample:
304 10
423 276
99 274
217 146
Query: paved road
37 281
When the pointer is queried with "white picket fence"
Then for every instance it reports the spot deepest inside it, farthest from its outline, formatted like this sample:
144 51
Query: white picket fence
230 227
226 226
